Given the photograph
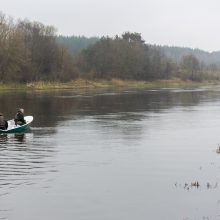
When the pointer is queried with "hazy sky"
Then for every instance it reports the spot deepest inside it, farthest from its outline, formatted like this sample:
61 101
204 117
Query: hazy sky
189 23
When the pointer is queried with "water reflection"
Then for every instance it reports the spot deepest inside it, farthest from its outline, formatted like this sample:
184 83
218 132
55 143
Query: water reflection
121 113
20 138
23 158
17 138
127 146
3 139
49 108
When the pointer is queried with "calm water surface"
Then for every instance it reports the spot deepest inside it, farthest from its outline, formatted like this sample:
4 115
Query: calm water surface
112 156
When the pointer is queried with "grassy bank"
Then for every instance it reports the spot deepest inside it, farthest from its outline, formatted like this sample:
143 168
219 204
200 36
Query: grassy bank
80 84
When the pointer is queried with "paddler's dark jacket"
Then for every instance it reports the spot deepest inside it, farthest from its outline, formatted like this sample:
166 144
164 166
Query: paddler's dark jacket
19 118
3 123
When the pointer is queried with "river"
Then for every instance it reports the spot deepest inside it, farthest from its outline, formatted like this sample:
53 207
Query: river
110 155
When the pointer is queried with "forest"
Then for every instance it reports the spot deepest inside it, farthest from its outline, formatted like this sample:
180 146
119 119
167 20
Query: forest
32 51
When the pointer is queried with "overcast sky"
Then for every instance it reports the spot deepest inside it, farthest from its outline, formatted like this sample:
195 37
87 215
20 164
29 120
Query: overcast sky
188 23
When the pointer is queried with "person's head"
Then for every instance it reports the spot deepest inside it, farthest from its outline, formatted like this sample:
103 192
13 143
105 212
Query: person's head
21 110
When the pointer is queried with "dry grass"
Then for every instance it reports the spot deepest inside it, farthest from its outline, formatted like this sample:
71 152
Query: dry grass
105 84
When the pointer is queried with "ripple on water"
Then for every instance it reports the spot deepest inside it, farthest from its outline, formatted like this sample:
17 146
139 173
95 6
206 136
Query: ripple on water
24 159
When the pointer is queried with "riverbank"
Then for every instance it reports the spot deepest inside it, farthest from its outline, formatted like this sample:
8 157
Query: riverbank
81 84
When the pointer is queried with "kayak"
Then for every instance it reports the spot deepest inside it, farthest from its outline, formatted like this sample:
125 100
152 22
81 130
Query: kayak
12 128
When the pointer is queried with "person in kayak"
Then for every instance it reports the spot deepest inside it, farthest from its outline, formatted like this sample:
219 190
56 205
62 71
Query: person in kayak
19 117
3 122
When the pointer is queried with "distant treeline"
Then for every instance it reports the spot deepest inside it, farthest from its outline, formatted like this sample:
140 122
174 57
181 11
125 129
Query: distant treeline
207 58
75 44
31 51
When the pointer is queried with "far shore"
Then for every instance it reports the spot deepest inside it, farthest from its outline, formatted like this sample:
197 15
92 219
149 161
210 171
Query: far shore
83 84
